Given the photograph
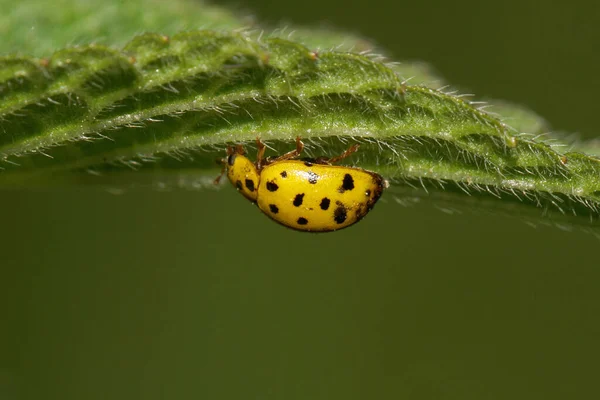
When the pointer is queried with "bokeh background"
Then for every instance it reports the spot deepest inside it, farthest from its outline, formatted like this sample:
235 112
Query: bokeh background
177 295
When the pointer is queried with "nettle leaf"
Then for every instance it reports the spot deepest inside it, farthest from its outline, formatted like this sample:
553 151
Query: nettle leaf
162 110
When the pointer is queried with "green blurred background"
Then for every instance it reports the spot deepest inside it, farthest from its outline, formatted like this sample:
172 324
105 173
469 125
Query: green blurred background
177 295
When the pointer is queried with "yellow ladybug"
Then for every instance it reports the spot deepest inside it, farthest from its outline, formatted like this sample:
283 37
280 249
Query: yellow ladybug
309 194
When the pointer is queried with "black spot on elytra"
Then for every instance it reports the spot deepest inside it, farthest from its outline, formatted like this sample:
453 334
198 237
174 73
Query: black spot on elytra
325 203
308 163
283 174
368 193
238 185
340 214
347 183
250 185
298 200
272 186
302 221
312 177
274 209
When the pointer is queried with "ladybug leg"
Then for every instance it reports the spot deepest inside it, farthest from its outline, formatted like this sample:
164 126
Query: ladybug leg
260 155
352 149
238 149
223 169
269 160
292 154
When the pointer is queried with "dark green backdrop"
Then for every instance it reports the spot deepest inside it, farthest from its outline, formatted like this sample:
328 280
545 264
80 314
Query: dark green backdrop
181 295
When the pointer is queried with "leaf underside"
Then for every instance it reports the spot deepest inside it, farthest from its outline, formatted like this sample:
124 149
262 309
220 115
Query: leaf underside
162 109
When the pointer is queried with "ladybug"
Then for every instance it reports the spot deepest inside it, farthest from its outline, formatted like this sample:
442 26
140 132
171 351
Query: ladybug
311 195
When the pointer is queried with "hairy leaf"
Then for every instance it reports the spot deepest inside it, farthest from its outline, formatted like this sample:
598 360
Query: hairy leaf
162 109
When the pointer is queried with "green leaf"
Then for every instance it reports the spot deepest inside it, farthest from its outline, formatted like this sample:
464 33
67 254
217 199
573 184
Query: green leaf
162 109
